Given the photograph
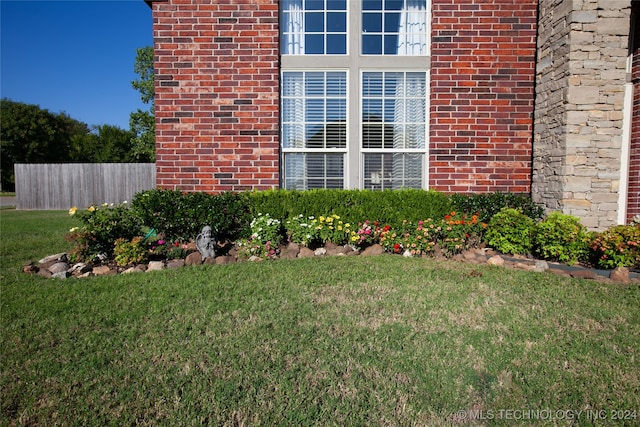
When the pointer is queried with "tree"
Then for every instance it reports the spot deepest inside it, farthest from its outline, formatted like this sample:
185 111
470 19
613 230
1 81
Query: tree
30 134
142 123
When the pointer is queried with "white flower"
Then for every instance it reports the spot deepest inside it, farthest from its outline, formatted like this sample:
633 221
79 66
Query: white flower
74 229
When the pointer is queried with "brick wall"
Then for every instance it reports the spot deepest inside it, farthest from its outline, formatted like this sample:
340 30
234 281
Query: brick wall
217 89
482 95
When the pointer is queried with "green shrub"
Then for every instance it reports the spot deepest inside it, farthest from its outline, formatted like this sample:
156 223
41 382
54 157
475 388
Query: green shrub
386 207
178 215
486 205
510 232
132 251
618 246
102 226
561 237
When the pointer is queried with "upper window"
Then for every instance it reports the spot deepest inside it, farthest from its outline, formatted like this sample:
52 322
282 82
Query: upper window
394 27
314 27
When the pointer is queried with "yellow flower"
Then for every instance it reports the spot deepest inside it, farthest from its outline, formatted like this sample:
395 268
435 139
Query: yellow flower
339 228
73 210
105 204
74 229
91 208
354 238
321 219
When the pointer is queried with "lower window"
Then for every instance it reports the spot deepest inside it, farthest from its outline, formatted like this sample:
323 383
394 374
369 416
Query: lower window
392 130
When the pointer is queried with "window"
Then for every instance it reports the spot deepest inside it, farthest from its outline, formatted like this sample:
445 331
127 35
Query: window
393 129
314 115
354 109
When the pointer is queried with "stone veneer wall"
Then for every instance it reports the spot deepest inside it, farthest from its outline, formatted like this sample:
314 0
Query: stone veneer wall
578 125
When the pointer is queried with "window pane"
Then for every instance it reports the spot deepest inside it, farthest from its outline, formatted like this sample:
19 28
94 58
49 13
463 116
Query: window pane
314 4
395 27
337 4
336 44
314 22
304 171
393 171
371 44
336 22
310 29
372 5
372 22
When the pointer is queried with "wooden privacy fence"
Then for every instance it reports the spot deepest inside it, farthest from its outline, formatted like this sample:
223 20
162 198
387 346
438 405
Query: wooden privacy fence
64 185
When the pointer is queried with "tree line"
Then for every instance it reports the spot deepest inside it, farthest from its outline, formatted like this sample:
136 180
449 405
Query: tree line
30 134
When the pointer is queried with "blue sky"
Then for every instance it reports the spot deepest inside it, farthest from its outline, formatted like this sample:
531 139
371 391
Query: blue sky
74 56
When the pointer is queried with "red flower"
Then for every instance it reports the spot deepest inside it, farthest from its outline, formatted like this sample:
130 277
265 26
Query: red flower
397 248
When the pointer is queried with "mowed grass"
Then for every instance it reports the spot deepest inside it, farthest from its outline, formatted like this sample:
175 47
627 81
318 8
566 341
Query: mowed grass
330 341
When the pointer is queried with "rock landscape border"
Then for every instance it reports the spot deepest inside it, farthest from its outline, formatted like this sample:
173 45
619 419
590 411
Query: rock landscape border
58 266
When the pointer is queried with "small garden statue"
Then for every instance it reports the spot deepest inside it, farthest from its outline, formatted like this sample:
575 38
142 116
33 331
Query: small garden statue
206 243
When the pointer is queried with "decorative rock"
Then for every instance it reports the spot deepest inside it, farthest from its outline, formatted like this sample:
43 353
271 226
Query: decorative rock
373 250
44 273
320 252
306 253
30 268
541 266
222 260
62 257
155 266
131 270
291 251
407 254
254 258
193 258
175 263
496 260
523 266
58 267
60 275
103 270
583 274
210 260
620 275
79 268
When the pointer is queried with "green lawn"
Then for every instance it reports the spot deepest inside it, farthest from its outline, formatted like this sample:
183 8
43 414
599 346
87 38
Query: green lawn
334 341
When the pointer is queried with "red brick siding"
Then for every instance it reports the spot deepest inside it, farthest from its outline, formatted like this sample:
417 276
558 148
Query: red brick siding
633 199
482 95
217 94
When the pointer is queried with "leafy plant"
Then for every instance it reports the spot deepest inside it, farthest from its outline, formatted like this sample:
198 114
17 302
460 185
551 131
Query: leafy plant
331 228
266 235
300 230
561 237
416 238
510 232
458 232
618 246
102 226
132 251
366 235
